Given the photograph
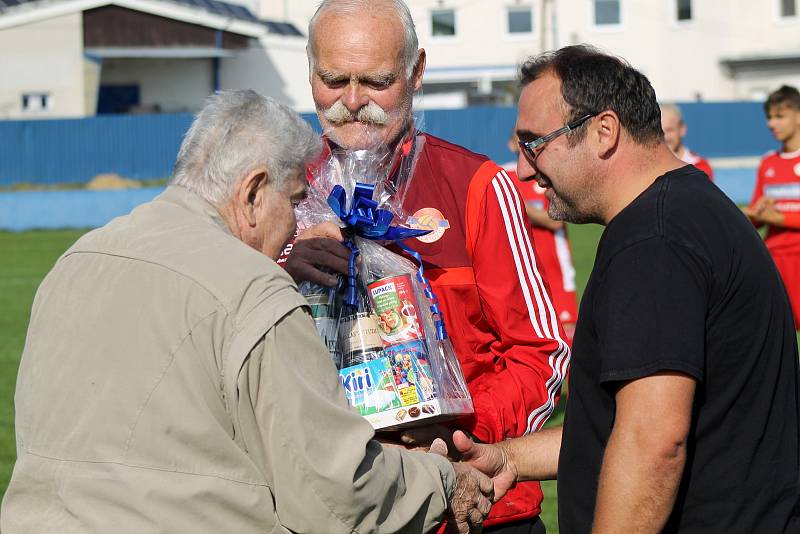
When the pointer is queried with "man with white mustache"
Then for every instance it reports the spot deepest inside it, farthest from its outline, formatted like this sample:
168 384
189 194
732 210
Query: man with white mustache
365 66
372 113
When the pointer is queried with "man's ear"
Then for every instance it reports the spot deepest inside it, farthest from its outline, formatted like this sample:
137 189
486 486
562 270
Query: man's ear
248 194
419 70
607 130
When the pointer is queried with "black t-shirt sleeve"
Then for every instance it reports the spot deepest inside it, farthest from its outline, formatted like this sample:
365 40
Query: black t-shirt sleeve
650 312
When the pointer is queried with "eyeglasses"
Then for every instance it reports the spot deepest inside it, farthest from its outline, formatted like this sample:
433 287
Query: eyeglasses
529 148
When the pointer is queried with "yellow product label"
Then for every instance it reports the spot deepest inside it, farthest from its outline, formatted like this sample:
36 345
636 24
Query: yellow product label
408 396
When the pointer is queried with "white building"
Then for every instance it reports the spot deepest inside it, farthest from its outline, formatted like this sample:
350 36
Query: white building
75 58
712 50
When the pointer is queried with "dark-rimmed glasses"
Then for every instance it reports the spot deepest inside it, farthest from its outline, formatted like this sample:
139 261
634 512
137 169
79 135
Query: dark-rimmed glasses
529 148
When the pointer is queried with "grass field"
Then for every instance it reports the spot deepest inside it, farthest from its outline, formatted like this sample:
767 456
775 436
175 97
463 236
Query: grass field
26 257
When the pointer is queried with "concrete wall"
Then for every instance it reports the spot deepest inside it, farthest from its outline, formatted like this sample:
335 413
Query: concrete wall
43 57
274 66
175 85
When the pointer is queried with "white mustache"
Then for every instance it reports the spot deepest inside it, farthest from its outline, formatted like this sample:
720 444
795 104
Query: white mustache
372 113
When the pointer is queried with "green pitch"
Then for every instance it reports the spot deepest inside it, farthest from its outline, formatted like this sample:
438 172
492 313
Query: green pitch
26 257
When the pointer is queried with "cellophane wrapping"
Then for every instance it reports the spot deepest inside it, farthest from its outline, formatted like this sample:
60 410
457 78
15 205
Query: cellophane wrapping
382 329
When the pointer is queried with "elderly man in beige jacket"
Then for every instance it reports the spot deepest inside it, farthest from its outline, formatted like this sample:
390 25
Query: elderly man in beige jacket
172 378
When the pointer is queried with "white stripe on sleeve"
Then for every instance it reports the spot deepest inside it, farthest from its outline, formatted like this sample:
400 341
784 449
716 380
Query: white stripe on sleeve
530 279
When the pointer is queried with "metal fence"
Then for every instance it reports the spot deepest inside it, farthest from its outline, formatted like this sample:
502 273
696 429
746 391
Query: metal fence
145 146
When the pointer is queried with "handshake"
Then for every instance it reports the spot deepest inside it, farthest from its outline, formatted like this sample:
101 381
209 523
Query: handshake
483 475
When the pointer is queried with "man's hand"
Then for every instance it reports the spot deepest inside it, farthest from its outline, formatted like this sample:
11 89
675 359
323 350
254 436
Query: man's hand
765 212
422 437
317 249
491 460
472 499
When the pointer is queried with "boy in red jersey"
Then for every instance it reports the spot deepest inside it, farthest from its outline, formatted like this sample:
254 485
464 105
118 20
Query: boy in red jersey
776 198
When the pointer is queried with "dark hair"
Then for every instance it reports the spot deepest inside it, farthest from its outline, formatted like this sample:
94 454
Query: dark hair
592 81
785 95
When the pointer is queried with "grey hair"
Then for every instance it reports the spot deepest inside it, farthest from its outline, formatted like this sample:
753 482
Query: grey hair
359 7
674 109
236 133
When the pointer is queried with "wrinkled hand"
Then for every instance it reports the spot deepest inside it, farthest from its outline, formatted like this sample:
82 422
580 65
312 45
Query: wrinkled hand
472 499
315 250
491 460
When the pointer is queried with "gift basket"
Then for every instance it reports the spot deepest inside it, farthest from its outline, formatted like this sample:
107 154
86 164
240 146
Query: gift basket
381 323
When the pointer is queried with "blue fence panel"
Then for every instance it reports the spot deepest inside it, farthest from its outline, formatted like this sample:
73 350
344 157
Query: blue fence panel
727 129
27 210
145 146
485 129
75 150
715 130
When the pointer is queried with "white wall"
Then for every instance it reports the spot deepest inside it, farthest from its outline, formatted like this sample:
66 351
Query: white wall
175 85
682 59
482 37
275 66
298 12
45 57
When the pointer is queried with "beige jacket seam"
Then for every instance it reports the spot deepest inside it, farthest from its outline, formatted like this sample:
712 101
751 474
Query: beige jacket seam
148 468
159 380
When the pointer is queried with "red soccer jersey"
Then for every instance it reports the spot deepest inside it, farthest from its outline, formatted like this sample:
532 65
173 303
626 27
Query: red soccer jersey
497 308
698 161
779 178
554 252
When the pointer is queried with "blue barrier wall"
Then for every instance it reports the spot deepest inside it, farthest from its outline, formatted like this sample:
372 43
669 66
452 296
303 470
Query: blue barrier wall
26 210
75 150
145 146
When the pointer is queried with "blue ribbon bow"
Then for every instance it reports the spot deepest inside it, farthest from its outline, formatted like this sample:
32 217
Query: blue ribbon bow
366 220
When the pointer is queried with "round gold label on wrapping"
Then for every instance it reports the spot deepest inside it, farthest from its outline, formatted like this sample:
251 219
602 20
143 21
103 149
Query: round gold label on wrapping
429 219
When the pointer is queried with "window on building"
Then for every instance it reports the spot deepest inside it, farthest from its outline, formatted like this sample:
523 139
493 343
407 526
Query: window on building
788 8
35 101
606 12
684 9
443 22
520 20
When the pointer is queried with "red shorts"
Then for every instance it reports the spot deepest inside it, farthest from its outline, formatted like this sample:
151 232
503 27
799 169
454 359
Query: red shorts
789 267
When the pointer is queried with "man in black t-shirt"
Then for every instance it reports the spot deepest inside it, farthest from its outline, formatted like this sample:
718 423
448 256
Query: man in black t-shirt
684 407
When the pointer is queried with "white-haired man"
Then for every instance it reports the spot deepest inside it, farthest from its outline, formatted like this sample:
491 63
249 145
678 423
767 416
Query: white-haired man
172 379
365 65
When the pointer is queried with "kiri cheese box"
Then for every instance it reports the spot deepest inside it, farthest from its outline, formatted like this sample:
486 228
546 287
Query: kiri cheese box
398 389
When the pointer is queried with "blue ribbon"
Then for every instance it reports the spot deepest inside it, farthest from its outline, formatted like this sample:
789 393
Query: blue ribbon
366 220
438 321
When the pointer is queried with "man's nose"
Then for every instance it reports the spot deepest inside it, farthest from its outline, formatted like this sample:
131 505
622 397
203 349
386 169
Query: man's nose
354 97
525 169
